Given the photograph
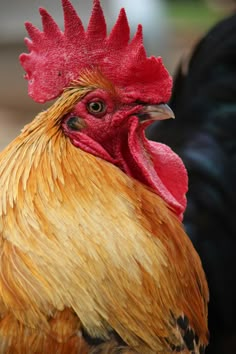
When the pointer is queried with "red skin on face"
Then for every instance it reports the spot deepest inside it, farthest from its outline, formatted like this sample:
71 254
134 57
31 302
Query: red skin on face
118 137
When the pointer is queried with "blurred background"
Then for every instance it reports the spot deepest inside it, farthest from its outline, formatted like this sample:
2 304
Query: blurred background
171 28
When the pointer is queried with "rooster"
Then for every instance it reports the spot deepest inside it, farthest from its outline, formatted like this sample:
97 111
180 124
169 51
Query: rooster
94 258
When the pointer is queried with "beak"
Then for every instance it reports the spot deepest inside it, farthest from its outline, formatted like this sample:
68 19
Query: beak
156 112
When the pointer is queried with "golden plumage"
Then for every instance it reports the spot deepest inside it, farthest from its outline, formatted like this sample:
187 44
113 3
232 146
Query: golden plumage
83 243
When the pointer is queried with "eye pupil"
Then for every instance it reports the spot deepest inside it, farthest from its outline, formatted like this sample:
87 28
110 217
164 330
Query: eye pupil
96 107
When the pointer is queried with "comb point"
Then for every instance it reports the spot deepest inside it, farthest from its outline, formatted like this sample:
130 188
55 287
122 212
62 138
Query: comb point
50 27
73 27
97 28
141 53
33 31
138 37
120 33
28 43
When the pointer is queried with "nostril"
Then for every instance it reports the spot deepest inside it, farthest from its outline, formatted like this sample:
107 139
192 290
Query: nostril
142 116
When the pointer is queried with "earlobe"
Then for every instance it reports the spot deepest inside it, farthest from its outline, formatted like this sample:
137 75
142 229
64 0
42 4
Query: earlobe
75 123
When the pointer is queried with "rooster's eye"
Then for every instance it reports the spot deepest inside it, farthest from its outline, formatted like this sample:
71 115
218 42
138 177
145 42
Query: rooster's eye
96 107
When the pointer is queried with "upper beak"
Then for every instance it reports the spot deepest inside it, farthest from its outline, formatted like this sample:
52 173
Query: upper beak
156 112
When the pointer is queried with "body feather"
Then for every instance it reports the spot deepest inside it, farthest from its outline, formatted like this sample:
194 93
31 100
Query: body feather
107 249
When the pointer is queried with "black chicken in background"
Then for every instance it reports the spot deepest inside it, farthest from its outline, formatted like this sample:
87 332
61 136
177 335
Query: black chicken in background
204 135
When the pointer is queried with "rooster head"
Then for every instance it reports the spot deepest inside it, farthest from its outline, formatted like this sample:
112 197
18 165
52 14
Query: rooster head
118 91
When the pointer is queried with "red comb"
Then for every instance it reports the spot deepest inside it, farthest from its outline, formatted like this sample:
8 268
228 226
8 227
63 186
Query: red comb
57 58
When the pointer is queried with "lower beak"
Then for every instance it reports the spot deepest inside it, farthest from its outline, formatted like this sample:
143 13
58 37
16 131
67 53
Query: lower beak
156 112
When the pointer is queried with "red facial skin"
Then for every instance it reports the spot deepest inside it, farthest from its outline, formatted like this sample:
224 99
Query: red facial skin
117 135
